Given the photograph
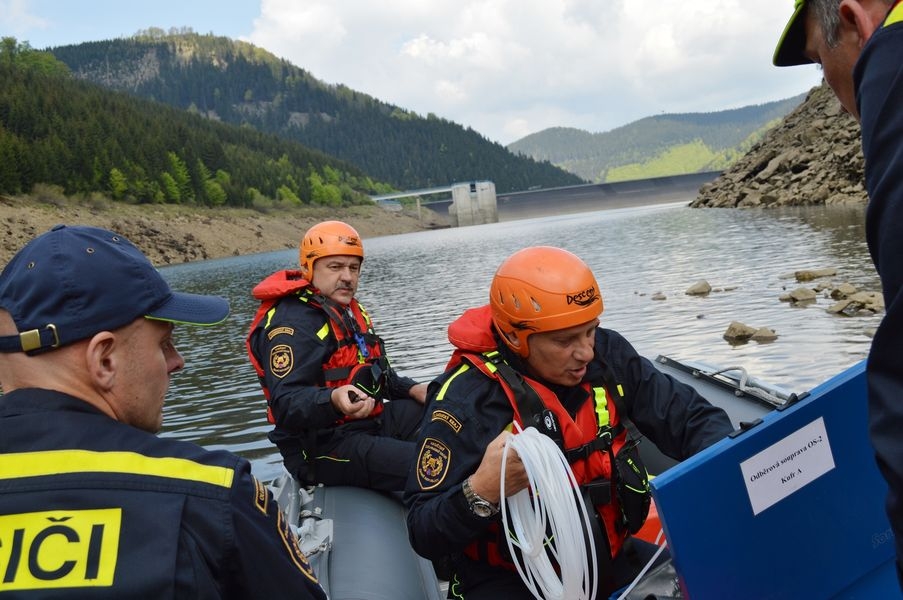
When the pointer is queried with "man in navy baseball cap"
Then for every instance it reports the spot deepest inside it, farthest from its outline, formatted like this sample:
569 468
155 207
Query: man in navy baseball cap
73 282
86 333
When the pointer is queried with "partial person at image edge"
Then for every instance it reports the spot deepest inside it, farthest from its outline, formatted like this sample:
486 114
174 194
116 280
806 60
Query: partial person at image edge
859 46
92 503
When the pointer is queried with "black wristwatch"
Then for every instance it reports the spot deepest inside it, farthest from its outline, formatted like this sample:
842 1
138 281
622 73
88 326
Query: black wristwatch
478 505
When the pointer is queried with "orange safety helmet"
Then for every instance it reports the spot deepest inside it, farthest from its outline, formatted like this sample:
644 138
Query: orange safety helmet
541 289
329 238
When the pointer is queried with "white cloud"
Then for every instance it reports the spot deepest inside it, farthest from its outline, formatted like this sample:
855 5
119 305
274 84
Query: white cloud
16 18
507 68
511 67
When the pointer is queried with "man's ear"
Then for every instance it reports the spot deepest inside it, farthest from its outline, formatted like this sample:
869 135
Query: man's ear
512 339
863 16
100 360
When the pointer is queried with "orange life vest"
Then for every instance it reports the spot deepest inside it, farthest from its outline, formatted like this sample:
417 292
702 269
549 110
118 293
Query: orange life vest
358 345
588 440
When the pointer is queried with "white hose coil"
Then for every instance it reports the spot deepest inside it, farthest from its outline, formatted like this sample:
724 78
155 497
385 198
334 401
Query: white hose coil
551 502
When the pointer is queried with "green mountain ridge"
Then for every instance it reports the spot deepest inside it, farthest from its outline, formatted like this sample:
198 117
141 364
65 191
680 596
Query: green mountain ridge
72 138
198 119
236 82
660 145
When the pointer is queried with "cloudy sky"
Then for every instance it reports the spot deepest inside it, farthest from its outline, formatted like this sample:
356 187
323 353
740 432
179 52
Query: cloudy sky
506 68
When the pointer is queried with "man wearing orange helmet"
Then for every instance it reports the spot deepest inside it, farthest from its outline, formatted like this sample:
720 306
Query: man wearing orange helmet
325 373
536 355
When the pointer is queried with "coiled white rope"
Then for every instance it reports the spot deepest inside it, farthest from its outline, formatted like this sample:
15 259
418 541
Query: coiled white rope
550 504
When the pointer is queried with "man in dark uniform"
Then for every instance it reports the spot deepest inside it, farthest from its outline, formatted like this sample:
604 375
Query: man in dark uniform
325 372
859 45
92 503
537 356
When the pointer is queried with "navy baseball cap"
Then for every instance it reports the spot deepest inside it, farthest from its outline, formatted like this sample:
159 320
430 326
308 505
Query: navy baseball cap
73 282
789 51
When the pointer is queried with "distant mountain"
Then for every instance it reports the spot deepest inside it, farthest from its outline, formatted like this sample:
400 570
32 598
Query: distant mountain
239 83
668 144
60 137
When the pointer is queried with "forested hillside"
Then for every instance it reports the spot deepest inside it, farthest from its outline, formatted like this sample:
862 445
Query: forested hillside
82 138
656 146
236 82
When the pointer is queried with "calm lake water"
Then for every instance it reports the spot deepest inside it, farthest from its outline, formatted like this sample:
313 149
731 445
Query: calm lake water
415 284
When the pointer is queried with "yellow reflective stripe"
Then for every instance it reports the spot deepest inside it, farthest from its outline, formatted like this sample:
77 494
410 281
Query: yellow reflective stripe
489 364
601 401
365 315
324 331
445 385
270 314
333 458
895 16
65 462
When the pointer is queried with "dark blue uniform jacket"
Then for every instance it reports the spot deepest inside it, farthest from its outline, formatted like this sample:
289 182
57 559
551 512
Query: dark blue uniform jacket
93 508
300 399
879 96
475 410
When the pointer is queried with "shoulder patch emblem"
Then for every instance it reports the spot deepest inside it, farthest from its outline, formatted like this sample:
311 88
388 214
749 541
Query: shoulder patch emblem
432 463
261 497
279 331
281 360
447 418
290 540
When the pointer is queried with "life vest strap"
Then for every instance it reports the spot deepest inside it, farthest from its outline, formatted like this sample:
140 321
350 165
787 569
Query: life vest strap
599 537
602 442
337 374
529 405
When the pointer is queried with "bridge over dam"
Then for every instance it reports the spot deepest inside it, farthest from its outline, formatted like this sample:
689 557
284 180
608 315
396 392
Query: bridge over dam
583 198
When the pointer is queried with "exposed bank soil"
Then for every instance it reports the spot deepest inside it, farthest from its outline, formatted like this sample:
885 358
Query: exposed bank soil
175 234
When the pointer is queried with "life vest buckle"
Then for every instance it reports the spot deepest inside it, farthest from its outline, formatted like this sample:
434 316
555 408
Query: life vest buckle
605 436
602 442
362 345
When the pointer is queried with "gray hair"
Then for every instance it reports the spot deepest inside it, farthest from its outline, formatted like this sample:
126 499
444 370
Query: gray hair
827 12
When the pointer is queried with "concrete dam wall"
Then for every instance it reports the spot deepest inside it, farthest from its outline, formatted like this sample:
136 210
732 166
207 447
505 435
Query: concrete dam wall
596 196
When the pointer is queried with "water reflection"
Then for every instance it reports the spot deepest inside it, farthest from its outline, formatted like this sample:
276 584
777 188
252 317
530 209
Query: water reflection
415 284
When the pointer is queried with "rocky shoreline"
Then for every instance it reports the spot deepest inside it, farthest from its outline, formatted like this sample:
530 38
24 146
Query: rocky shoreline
170 234
813 157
